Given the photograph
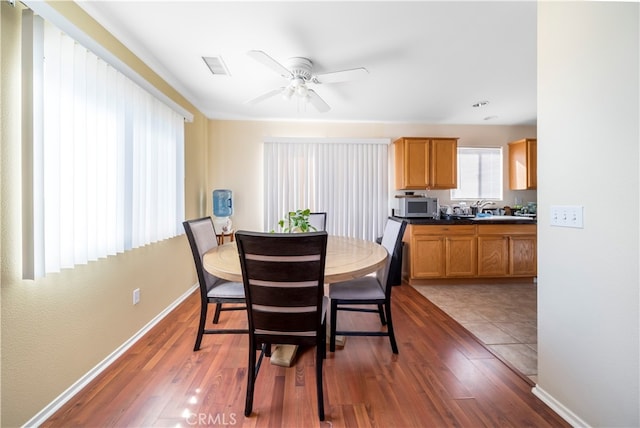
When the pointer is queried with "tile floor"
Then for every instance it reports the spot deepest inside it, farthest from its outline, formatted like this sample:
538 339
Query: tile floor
502 316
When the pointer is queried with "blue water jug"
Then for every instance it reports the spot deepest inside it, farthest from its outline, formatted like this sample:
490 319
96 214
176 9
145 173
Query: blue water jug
222 203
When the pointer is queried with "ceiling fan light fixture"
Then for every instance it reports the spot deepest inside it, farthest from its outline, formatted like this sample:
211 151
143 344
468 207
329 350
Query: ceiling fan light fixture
298 72
288 92
302 90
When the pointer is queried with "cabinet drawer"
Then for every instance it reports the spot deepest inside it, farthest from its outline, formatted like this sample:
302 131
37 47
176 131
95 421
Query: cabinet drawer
507 229
467 229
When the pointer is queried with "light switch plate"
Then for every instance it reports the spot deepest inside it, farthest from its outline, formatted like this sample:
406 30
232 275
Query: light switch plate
567 216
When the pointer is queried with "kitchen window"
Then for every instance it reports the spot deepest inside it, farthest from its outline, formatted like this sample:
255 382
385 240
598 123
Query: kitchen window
479 173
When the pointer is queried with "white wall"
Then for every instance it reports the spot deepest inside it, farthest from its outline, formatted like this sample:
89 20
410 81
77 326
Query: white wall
588 154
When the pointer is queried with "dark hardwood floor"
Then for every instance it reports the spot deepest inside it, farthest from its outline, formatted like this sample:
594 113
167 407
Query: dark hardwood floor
442 377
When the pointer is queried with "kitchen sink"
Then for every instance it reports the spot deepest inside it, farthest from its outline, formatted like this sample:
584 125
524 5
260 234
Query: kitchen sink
502 218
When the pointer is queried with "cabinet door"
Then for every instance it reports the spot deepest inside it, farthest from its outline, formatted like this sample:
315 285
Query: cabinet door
493 256
411 163
460 256
522 255
443 164
427 257
532 165
523 159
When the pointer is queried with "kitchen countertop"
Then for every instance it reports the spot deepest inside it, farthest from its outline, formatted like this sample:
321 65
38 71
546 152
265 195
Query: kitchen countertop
472 220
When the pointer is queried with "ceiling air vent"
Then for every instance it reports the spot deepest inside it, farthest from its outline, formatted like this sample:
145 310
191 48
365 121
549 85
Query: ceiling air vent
216 65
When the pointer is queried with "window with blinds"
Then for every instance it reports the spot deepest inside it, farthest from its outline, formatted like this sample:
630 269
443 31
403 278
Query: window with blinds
347 179
479 173
104 158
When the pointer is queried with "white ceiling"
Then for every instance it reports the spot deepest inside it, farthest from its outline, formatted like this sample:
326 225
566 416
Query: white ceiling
428 61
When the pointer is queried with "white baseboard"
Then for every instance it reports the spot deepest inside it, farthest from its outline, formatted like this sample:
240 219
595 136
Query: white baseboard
559 408
52 407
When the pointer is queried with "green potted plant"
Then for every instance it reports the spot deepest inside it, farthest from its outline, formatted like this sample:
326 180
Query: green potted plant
297 221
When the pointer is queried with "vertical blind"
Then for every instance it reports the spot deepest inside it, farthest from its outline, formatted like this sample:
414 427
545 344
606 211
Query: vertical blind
479 173
108 160
347 179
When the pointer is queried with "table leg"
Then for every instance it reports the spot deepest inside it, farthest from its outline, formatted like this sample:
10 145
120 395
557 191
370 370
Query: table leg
283 355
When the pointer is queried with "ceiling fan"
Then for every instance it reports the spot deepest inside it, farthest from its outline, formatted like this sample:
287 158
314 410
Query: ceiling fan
298 72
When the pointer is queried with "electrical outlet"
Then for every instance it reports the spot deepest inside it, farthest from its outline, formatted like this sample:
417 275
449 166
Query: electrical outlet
136 296
567 216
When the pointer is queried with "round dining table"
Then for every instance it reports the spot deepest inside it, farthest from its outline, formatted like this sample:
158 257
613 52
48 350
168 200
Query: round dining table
347 258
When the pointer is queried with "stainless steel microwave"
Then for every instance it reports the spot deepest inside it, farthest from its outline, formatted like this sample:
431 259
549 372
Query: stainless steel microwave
417 207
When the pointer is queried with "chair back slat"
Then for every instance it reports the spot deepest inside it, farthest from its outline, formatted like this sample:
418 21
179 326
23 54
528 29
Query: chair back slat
291 296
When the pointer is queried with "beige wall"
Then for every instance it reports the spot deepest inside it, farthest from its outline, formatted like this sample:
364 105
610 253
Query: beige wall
54 330
235 161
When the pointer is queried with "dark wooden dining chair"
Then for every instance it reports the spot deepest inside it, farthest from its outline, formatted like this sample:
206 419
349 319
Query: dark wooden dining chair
283 275
213 290
360 294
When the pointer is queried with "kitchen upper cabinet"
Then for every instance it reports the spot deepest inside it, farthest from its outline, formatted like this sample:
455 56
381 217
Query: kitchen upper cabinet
523 164
426 163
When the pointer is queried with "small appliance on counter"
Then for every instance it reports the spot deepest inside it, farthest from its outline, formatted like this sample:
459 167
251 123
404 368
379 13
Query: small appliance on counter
416 206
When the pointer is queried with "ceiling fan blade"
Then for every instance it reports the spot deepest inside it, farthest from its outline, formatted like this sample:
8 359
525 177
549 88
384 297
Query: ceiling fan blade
264 96
318 102
265 59
341 76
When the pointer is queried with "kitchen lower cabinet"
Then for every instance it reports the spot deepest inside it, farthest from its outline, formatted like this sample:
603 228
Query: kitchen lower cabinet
469 252
441 251
523 255
507 250
427 256
493 255
460 256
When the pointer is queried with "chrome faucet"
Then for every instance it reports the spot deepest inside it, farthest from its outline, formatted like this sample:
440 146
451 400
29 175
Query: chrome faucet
481 204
